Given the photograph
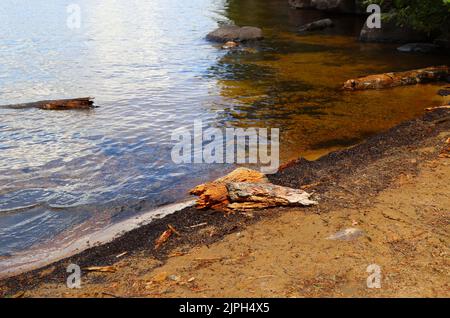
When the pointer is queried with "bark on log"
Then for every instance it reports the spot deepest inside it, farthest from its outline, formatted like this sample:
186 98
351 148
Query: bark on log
59 104
245 196
214 194
388 80
245 189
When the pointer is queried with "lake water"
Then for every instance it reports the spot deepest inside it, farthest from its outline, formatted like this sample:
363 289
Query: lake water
66 173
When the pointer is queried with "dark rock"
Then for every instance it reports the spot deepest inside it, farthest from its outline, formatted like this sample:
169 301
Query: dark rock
391 33
417 48
444 92
443 42
235 33
301 4
344 6
317 25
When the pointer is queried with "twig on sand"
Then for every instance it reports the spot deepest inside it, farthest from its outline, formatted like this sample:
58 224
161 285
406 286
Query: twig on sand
101 269
164 237
429 109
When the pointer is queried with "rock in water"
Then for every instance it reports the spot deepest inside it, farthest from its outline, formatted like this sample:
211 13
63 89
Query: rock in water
417 48
387 80
391 33
444 92
245 196
344 6
235 33
317 25
348 234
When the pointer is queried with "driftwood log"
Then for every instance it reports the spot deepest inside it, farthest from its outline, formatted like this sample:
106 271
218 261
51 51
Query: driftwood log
249 196
59 104
388 80
245 189
214 194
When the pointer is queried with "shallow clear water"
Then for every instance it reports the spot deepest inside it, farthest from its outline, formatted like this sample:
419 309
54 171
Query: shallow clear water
152 72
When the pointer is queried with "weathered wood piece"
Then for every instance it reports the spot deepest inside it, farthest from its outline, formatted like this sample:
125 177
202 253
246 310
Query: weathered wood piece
214 194
246 189
59 104
246 196
388 80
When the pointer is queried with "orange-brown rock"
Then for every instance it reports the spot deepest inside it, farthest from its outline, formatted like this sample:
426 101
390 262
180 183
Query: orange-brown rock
214 194
388 80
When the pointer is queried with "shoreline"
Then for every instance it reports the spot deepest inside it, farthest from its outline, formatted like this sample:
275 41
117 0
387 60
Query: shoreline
31 259
390 155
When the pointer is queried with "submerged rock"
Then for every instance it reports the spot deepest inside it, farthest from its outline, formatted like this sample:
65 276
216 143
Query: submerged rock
348 234
344 6
235 33
391 33
444 92
417 48
317 25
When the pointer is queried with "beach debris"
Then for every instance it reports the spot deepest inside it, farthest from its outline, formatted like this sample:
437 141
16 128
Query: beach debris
244 189
429 109
174 230
176 254
190 280
230 45
198 225
235 33
317 25
311 185
20 294
121 254
445 152
348 234
58 104
388 80
247 196
101 269
47 271
174 277
110 295
165 236
214 194
159 277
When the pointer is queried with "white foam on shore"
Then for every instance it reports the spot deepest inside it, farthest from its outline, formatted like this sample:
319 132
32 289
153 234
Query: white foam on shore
37 258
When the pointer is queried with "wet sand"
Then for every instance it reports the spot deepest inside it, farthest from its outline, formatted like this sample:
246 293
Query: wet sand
394 187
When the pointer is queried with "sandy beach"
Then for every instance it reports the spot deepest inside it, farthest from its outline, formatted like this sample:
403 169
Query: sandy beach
393 188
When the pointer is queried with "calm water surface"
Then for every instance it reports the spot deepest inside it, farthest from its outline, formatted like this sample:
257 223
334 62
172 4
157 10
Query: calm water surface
152 72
